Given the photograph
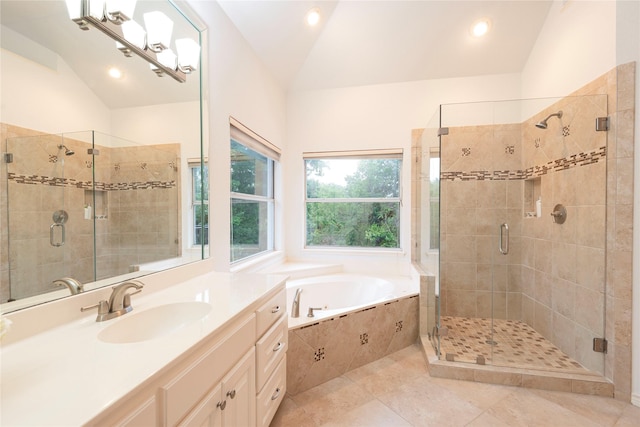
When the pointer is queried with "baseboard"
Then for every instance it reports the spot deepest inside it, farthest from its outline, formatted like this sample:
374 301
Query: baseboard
635 399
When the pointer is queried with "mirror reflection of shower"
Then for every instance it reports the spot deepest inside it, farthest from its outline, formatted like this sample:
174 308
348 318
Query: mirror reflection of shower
543 124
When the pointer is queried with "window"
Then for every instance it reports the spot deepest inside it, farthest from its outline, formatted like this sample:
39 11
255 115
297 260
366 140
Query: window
253 161
353 200
199 202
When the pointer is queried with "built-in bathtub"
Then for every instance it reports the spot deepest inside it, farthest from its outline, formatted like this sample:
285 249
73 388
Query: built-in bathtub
363 318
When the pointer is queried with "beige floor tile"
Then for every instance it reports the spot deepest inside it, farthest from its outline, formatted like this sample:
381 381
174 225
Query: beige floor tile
332 399
424 403
386 374
481 395
523 408
408 396
487 420
290 414
602 410
630 417
372 413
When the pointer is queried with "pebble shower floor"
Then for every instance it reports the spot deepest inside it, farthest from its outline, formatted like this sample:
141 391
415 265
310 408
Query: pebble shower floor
514 344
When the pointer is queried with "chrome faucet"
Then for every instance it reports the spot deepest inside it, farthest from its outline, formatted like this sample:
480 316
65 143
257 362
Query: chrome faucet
75 287
295 306
119 302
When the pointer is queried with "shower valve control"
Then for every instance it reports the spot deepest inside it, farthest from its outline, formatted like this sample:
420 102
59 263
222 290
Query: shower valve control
559 214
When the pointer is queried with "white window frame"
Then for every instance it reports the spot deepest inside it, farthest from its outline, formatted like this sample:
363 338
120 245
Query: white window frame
254 142
356 155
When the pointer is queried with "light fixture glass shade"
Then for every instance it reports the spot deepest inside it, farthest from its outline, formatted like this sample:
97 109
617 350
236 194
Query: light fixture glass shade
96 9
74 7
119 11
135 34
168 59
188 54
159 29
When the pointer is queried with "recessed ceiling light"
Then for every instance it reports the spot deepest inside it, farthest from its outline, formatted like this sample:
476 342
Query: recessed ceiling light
313 17
480 28
115 73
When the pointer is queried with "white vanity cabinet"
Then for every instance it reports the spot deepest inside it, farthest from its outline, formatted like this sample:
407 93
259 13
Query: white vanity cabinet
236 377
271 348
231 403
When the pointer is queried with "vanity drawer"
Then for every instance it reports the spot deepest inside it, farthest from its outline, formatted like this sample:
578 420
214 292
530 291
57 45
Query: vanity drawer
182 393
269 351
271 311
271 396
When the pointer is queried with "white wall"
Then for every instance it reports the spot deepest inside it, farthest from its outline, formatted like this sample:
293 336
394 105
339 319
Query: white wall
576 45
240 86
369 117
48 100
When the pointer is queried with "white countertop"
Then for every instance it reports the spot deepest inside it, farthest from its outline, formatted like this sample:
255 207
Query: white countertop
66 375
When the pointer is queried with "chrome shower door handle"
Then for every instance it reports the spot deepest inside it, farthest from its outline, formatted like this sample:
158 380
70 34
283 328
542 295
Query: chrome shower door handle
51 239
504 239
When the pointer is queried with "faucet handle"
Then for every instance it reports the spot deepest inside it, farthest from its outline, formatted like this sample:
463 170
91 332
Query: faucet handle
103 309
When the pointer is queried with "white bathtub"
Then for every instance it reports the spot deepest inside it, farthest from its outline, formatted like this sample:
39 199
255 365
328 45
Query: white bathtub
339 294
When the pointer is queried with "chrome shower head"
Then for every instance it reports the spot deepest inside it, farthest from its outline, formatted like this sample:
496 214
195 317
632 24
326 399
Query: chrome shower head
67 151
543 124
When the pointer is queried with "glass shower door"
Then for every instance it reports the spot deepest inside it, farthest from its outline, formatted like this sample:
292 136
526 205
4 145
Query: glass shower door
44 228
523 187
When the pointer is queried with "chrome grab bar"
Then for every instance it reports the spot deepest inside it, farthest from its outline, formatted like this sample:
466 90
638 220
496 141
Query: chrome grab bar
504 238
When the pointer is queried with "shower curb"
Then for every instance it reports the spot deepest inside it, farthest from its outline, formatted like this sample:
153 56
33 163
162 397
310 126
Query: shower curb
592 384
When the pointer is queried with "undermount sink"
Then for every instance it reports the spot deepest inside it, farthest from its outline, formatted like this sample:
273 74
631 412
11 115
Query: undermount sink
154 322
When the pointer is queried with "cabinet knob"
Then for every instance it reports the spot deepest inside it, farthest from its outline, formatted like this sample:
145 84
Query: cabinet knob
231 394
276 394
275 309
278 346
222 405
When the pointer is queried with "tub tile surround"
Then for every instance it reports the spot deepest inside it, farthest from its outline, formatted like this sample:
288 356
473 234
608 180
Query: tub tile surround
553 273
136 182
325 350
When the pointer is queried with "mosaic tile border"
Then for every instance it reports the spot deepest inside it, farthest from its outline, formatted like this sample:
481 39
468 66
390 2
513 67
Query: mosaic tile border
88 185
575 160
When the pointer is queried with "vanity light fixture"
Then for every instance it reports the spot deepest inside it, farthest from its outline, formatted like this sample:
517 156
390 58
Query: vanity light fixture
159 29
115 19
480 27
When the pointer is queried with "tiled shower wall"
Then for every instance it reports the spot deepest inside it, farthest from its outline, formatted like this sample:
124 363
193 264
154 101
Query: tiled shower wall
555 279
138 219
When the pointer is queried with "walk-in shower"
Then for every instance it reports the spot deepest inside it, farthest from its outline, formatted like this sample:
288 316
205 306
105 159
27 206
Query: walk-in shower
85 206
515 288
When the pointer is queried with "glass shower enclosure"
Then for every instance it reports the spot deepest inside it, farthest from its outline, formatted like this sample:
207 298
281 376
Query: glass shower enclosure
89 206
522 233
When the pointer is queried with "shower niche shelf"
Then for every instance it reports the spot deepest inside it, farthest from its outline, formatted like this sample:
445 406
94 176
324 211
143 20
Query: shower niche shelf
532 193
96 204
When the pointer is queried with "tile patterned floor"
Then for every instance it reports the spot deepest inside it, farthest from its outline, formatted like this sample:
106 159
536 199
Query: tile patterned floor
397 391
514 344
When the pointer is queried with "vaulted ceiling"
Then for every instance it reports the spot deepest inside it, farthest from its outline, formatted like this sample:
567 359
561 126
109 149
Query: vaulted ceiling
374 42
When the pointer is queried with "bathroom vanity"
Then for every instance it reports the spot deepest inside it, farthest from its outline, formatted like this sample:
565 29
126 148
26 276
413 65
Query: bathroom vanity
171 361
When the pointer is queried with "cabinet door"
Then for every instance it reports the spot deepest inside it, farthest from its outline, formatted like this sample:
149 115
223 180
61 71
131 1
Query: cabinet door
238 388
208 413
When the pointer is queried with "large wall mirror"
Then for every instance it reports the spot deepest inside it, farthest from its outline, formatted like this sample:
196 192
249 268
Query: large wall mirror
103 178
